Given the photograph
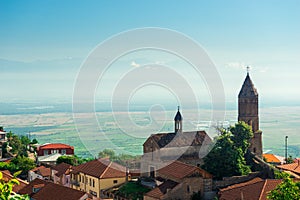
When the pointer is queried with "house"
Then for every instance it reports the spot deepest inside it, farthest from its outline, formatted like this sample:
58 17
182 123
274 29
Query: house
2 139
188 147
272 159
178 180
8 176
256 188
60 174
292 168
52 148
40 172
97 175
40 189
48 159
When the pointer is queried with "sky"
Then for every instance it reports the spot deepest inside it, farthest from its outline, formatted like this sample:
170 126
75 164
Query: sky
44 43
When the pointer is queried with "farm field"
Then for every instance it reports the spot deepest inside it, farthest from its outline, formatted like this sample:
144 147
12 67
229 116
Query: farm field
116 132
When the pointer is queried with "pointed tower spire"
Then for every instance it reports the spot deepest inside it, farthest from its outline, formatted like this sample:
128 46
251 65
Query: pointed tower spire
178 121
248 112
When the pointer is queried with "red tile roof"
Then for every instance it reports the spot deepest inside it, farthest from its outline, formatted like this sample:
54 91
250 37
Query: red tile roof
162 189
293 167
271 158
42 170
256 188
179 170
50 191
55 146
101 168
7 176
61 168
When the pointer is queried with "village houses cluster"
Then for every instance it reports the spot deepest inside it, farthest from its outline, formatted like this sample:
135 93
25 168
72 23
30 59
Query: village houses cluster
170 167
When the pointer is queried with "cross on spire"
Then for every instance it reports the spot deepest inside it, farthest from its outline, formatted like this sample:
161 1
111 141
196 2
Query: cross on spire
178 107
248 69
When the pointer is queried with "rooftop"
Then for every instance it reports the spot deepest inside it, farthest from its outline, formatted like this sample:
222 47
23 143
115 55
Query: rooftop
61 168
50 191
161 189
55 146
7 176
192 138
179 170
271 158
42 170
256 188
293 167
248 89
101 168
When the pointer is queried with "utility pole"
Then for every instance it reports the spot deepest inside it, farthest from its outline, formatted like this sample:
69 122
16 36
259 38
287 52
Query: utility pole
286 149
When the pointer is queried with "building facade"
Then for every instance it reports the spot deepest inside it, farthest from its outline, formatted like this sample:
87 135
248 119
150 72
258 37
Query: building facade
54 148
95 176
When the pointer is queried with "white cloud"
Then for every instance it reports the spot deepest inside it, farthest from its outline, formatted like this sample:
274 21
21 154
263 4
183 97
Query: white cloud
236 65
134 64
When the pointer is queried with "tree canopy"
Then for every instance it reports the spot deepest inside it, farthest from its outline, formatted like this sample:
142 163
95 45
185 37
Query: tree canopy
288 189
227 156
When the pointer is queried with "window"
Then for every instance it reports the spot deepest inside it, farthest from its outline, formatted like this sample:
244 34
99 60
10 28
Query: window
79 178
115 181
254 150
93 183
152 172
45 152
90 182
63 151
188 189
93 193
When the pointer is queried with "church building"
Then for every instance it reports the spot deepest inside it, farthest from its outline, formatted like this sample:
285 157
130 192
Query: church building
248 112
187 147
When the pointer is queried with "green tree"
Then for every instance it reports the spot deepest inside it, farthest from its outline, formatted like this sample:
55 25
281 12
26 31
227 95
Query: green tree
107 153
6 189
227 156
23 163
34 141
71 160
288 189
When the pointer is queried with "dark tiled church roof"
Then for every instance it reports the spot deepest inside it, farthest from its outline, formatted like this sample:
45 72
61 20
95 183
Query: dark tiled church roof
193 138
178 116
248 89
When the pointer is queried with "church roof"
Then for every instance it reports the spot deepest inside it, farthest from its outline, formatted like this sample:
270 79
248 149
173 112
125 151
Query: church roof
178 116
248 89
192 138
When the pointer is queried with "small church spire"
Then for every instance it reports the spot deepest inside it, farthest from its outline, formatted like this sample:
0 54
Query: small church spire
178 121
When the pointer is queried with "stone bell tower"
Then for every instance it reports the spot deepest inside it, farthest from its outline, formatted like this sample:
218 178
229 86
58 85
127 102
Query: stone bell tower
248 112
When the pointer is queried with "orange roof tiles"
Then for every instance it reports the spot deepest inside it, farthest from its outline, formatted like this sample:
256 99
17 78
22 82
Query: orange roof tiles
179 170
271 158
101 168
293 167
61 168
42 170
161 189
256 188
55 146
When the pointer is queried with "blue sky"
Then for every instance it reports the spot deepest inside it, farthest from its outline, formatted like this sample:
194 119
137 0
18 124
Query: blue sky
43 43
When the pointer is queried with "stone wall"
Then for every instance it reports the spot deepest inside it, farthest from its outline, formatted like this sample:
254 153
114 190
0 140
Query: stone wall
227 181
